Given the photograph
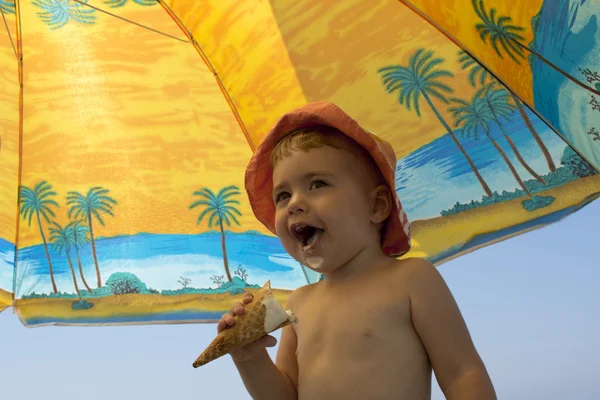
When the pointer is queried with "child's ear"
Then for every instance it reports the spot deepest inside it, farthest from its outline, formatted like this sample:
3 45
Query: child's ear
382 204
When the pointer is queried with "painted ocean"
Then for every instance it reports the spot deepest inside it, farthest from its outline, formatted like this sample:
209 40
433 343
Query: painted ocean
7 260
162 261
429 180
436 176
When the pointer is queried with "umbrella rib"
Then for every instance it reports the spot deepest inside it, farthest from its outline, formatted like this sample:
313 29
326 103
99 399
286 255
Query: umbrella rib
458 43
418 11
557 69
204 57
9 35
19 46
130 21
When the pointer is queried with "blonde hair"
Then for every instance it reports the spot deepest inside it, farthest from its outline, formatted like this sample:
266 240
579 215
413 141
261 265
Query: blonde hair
318 136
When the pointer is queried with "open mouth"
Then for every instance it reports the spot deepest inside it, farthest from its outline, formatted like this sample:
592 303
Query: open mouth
307 235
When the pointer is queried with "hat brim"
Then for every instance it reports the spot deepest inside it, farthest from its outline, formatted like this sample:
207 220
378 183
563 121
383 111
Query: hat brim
396 235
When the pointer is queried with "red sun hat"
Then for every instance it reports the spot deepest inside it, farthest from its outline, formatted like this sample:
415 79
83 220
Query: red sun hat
396 236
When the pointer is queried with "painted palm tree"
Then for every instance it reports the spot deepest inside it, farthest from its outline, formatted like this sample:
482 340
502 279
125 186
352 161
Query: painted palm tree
497 100
476 71
7 6
121 3
61 239
219 208
57 13
499 31
95 203
420 79
474 116
38 201
79 236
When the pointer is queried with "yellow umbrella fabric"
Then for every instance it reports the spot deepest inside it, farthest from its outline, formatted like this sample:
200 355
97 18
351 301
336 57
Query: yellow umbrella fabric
126 127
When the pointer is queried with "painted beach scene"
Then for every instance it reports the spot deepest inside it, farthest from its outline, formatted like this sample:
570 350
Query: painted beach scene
131 203
208 267
7 261
77 268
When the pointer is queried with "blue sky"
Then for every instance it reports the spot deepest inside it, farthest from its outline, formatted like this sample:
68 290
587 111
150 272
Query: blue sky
531 304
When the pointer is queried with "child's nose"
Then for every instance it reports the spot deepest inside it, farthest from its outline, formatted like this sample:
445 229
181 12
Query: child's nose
296 205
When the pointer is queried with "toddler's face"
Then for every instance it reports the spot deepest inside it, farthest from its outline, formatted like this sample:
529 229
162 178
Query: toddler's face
324 207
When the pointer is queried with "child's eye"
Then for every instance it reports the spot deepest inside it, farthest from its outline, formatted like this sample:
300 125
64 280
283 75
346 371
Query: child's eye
317 184
281 196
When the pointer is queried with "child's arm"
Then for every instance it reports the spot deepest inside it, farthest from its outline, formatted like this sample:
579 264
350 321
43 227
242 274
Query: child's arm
436 317
266 380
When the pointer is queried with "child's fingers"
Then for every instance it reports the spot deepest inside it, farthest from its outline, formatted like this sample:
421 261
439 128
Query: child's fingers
237 308
248 297
227 320
222 324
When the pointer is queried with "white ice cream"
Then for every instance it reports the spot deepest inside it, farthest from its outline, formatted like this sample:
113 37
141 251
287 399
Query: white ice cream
276 315
314 262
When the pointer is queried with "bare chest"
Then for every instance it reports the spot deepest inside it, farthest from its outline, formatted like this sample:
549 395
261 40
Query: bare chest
353 345
357 327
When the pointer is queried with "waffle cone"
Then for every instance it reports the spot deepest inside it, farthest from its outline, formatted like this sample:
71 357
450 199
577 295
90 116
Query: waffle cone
248 327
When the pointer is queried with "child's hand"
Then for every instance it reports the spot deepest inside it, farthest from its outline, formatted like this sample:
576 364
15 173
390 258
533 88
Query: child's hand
250 351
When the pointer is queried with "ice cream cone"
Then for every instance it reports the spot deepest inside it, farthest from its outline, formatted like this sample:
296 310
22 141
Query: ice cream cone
263 315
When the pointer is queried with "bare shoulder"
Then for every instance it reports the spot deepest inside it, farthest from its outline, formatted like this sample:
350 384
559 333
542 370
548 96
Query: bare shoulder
412 272
420 276
300 295
419 280
415 264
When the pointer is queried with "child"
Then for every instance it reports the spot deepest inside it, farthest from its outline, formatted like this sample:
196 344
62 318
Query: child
374 327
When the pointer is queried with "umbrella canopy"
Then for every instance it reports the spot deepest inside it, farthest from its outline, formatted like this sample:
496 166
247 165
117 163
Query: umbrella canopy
126 127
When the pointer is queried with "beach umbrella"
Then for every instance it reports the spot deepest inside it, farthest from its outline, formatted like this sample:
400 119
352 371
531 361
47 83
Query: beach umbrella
126 127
